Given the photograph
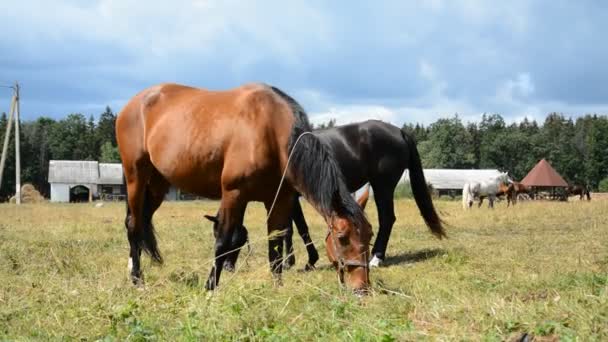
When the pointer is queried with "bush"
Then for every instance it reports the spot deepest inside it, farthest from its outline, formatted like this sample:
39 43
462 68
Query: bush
403 190
603 186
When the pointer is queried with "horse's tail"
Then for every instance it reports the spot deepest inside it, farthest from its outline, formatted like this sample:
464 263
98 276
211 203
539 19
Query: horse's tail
314 172
145 238
421 191
465 195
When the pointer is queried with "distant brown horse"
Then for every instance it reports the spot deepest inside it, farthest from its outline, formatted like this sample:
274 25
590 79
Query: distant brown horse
233 145
516 189
580 190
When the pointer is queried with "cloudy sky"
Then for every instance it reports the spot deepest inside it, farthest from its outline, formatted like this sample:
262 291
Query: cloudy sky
400 61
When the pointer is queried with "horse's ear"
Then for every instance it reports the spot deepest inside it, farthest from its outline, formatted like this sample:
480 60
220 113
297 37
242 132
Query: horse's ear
362 200
212 218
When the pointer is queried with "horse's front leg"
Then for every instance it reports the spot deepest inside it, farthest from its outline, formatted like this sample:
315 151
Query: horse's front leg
230 217
278 221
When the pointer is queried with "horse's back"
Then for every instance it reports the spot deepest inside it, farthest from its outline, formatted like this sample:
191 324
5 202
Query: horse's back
200 140
367 150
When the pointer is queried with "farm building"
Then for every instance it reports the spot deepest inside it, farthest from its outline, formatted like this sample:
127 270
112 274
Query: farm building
110 180
543 178
73 180
81 181
451 181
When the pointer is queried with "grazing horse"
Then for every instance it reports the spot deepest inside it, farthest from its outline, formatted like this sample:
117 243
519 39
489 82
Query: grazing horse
372 152
503 190
518 189
236 145
580 190
486 188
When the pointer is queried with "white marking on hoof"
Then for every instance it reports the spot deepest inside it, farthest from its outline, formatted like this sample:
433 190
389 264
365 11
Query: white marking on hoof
130 264
375 262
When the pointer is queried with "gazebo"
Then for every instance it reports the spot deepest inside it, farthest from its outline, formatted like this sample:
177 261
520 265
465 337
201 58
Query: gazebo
544 177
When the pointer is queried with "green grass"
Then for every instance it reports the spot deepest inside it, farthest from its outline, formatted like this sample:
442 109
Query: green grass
540 268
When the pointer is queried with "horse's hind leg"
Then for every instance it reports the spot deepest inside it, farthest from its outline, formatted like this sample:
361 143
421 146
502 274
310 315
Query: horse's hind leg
300 222
146 190
290 257
386 216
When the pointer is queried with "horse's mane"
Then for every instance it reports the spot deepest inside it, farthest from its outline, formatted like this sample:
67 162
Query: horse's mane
317 171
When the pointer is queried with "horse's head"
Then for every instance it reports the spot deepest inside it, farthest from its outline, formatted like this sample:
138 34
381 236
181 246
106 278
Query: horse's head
503 177
216 223
348 248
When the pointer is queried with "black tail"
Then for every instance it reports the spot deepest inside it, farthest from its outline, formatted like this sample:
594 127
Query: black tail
145 238
315 172
421 191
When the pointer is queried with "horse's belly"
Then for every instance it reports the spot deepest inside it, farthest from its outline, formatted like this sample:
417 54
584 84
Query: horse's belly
192 175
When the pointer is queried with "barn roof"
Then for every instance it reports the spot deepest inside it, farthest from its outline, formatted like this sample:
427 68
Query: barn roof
543 174
454 178
110 173
73 171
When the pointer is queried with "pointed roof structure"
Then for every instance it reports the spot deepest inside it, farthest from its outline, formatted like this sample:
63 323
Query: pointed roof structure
543 174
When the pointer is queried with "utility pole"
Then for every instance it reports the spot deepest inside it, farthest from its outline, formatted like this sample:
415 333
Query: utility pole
14 111
17 149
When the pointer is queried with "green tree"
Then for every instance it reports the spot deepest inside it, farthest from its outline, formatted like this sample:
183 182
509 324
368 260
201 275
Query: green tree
109 153
418 131
106 127
449 145
324 125
69 137
491 132
7 188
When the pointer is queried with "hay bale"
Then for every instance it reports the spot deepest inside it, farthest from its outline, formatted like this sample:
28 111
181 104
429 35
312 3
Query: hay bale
29 194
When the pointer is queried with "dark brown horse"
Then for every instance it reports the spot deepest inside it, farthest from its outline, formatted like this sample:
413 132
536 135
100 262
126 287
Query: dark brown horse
233 145
580 190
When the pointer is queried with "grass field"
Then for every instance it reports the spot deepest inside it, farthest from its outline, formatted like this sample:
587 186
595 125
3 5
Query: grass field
539 268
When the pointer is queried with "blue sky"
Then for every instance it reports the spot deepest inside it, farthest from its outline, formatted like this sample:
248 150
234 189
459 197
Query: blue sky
400 61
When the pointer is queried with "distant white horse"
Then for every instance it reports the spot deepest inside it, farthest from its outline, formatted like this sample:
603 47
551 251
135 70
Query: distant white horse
486 188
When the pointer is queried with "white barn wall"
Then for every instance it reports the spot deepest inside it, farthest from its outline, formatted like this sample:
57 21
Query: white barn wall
60 192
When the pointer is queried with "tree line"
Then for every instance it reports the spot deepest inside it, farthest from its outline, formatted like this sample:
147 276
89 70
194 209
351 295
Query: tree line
577 149
73 138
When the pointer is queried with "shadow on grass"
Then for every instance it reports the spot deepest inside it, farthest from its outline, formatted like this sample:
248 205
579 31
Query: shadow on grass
414 257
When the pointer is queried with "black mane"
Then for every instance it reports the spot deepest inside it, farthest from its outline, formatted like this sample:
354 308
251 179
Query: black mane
316 171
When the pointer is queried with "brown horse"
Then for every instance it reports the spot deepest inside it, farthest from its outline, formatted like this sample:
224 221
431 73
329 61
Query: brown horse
516 189
233 145
580 190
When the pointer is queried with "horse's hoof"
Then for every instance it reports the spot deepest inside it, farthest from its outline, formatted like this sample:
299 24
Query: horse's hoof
375 262
309 267
228 266
277 281
210 285
289 262
138 281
